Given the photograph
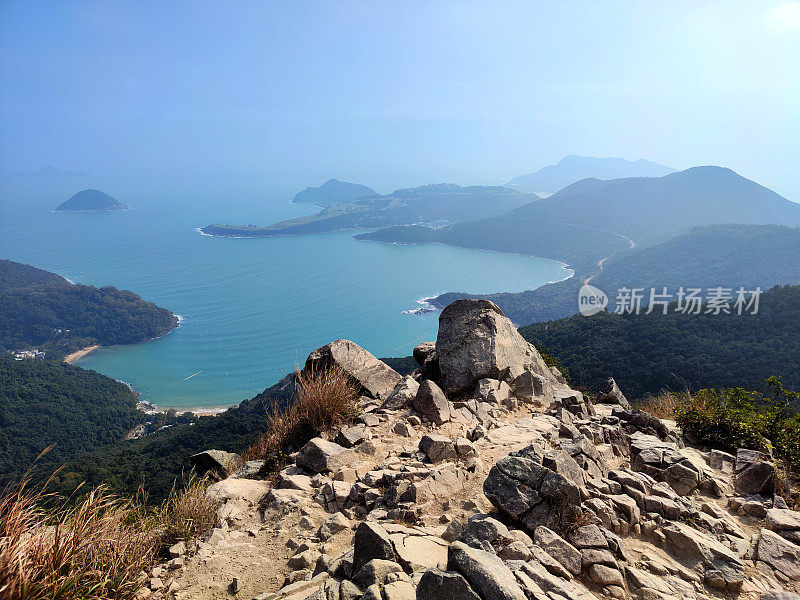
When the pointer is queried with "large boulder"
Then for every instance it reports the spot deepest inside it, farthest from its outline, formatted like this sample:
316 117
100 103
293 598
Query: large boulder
780 554
444 585
706 554
320 456
371 542
402 395
475 341
373 377
536 490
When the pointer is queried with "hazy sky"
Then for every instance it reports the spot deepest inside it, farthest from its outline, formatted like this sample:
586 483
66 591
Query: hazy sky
393 94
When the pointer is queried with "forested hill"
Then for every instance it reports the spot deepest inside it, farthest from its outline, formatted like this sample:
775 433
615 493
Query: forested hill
45 403
44 310
648 353
715 255
14 275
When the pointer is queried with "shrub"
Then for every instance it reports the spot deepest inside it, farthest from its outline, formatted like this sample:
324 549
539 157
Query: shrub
324 399
736 418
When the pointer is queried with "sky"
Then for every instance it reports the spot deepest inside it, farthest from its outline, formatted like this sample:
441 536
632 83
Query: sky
396 94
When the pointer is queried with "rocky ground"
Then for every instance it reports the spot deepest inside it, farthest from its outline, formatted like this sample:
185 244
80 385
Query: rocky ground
485 477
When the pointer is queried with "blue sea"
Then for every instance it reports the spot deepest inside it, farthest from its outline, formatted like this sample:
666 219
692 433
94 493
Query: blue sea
251 309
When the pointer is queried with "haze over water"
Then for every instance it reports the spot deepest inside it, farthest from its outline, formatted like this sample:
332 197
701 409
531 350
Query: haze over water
252 308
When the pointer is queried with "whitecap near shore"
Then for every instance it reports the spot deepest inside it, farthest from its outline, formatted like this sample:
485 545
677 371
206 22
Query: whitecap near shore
424 307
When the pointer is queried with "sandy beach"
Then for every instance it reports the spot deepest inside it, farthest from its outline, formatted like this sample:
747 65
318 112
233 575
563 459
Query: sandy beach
70 358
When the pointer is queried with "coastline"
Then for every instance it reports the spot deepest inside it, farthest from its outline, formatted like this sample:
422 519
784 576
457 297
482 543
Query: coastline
72 357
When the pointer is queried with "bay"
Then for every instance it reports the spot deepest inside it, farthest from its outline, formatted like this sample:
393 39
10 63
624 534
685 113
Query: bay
251 309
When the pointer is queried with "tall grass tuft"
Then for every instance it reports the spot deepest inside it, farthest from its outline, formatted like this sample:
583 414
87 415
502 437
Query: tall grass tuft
324 399
94 547
665 404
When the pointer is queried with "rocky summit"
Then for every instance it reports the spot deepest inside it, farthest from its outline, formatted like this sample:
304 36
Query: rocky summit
484 476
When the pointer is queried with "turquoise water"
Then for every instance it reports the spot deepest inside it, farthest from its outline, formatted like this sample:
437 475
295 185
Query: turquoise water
252 309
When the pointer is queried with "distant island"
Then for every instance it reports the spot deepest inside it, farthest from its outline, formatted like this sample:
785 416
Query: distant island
90 200
333 191
573 168
434 205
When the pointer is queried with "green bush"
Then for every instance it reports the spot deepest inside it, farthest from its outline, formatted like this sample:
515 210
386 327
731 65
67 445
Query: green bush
737 418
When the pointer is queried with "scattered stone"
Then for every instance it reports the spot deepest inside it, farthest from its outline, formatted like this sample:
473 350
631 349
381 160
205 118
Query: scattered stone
332 526
351 436
431 403
371 541
437 447
780 554
321 456
567 555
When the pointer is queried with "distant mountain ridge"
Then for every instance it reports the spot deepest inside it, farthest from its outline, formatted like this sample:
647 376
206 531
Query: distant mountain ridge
90 200
573 168
593 220
333 191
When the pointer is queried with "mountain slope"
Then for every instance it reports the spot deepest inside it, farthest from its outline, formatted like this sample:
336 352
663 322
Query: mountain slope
710 256
648 353
333 191
91 200
573 168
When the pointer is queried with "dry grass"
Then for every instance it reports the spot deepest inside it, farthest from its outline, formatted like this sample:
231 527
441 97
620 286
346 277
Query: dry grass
324 399
94 548
187 513
664 404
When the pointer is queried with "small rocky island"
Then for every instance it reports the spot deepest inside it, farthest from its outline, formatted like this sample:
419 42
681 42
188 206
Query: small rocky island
91 200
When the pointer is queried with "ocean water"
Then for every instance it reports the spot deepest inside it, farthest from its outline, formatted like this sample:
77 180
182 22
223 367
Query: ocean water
251 309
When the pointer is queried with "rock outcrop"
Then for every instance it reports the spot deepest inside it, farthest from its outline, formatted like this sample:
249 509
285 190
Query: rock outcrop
483 476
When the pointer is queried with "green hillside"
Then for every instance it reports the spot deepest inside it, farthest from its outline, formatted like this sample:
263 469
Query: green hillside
44 310
648 353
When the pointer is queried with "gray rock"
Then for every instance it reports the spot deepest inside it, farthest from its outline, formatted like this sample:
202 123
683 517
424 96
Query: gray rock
402 395
374 378
431 403
611 394
371 541
780 554
783 519
485 572
755 474
427 359
531 493
351 436
567 555
444 585
491 391
320 456
375 572
530 385
779 595
706 553
437 447
216 463
606 575
476 341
